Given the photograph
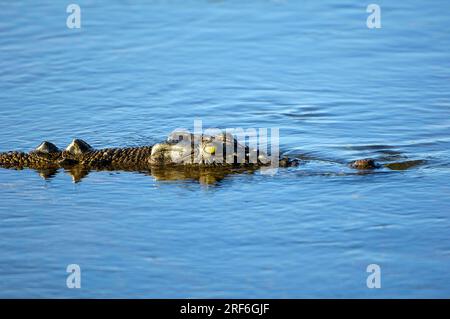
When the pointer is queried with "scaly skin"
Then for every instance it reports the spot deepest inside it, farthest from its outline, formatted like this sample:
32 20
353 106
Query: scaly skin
19 160
114 158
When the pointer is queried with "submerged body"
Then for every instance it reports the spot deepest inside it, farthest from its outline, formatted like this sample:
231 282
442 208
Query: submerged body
183 155
180 149
47 157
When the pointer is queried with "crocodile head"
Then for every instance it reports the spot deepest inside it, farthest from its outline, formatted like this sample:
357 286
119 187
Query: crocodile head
183 148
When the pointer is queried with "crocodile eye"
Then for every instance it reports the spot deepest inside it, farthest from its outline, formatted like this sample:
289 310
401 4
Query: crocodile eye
210 149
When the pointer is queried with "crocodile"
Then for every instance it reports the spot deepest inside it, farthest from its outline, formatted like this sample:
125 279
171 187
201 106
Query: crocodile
182 155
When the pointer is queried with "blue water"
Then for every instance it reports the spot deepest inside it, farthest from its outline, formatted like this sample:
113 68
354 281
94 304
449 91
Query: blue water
337 90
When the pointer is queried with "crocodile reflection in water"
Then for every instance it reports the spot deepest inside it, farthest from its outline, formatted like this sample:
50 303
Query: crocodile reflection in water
204 175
